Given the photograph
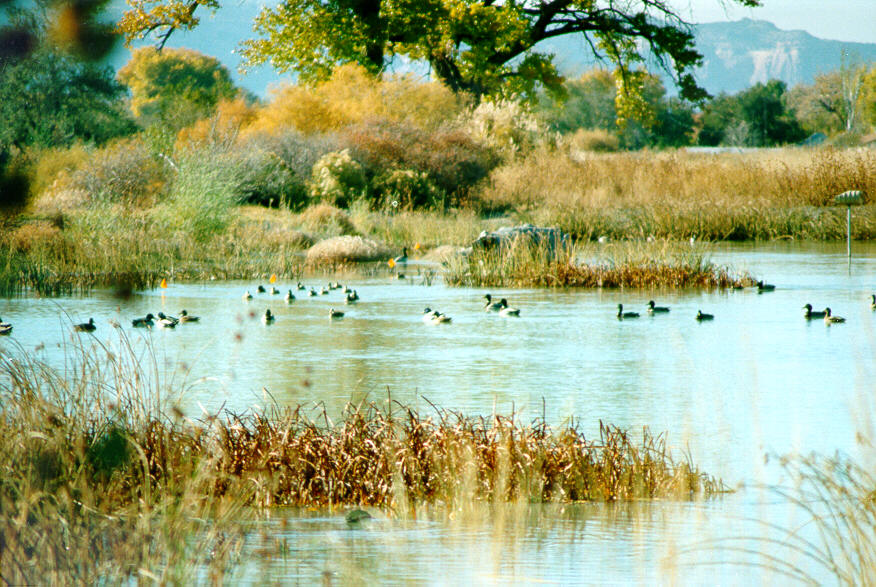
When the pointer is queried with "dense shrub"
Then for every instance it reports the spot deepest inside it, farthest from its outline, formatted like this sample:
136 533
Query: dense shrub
453 161
338 179
406 188
507 126
124 172
596 140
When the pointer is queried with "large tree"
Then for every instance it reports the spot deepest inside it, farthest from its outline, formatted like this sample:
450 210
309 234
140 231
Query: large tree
479 46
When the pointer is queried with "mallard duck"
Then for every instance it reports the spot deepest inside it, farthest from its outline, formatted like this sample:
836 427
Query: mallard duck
334 285
335 313
506 311
352 297
312 293
260 289
403 258
621 315
86 326
185 317
268 318
324 291
652 309
346 289
289 297
431 316
145 322
247 295
300 286
274 291
174 319
701 317
831 319
5 327
490 305
873 302
809 314
165 322
762 287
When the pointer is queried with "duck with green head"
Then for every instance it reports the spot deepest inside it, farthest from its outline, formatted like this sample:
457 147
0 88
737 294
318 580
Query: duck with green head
621 315
809 314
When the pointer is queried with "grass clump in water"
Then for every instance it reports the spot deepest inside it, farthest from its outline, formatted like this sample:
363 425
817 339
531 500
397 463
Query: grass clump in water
635 265
102 479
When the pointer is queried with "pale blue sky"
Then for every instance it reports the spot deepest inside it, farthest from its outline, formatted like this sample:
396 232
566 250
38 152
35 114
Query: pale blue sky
842 20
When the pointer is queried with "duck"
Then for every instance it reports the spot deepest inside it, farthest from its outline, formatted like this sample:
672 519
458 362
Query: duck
431 316
490 305
290 297
346 289
185 317
334 285
831 319
300 286
274 291
145 322
5 327
312 293
652 309
352 297
621 315
701 316
247 295
762 287
506 311
324 291
86 326
335 313
165 322
873 302
174 319
260 289
403 258
809 314
268 318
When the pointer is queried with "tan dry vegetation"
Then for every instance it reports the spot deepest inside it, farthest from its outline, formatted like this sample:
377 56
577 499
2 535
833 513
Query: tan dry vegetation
735 196
342 250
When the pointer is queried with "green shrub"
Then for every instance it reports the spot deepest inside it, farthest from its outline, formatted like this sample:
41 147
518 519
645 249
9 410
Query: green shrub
338 179
408 189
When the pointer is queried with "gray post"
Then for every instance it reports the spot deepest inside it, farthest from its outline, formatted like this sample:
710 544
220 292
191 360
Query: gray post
849 198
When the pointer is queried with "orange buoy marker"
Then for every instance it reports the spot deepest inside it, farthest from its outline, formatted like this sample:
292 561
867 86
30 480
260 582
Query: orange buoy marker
163 284
391 263
273 278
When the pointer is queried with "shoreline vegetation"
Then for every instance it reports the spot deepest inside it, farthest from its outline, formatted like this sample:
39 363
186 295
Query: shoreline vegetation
56 246
103 477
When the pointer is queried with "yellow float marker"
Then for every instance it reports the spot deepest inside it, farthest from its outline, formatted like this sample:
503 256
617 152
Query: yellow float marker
391 263
273 278
163 284
417 247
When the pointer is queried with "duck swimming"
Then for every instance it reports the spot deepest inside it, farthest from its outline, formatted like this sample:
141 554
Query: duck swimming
621 315
762 287
173 319
652 309
5 327
352 297
490 305
274 291
247 295
809 314
431 316
165 322
268 318
185 317
300 286
289 297
873 302
506 311
260 289
86 326
335 313
831 319
403 258
145 322
702 317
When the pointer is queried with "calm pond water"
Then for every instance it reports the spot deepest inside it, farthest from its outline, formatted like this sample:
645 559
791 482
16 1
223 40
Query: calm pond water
757 380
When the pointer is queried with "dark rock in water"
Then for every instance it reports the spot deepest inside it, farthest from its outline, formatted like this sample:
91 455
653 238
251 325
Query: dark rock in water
356 516
509 236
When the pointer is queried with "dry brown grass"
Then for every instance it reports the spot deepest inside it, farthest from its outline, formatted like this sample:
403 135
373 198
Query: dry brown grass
340 250
731 196
326 219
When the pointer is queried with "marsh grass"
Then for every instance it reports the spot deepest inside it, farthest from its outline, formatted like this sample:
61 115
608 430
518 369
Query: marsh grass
104 479
628 264
765 195
837 537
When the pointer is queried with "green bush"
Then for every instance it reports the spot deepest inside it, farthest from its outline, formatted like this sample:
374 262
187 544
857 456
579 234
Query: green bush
338 179
407 188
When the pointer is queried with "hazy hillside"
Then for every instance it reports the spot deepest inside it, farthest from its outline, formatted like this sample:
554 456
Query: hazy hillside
737 54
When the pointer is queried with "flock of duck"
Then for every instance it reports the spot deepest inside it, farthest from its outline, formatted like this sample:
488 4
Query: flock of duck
430 316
